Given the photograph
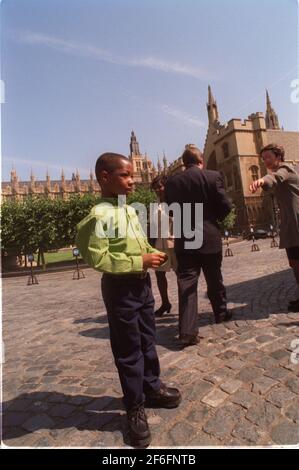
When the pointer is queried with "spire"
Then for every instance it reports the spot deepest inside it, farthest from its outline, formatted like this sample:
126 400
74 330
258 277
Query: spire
159 167
14 180
271 116
48 182
32 182
91 175
211 99
134 145
165 163
32 178
212 107
13 173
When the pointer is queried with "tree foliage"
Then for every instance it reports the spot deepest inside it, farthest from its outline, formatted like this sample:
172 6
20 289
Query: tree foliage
42 224
229 222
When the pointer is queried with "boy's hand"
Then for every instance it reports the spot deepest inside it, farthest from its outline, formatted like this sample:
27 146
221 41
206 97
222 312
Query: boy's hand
256 184
153 260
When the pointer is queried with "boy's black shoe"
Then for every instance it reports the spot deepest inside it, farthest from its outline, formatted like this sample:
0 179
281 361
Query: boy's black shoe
139 432
166 397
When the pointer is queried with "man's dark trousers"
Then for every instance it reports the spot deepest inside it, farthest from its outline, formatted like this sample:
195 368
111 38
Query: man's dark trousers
130 308
190 264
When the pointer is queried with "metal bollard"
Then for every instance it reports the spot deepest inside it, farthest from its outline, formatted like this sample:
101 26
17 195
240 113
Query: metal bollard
228 251
32 278
78 273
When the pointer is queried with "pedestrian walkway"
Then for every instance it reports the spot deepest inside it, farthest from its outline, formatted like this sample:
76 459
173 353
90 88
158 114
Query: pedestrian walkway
240 385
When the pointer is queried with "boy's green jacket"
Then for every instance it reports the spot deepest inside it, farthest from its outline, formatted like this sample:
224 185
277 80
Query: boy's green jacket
110 239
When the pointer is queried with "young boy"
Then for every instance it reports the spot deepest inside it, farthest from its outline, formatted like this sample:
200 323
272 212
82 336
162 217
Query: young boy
126 290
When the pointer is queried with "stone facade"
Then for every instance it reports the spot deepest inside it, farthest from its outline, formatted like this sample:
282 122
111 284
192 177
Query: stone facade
233 149
143 168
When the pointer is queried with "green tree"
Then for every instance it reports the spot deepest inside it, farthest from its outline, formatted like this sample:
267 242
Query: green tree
229 222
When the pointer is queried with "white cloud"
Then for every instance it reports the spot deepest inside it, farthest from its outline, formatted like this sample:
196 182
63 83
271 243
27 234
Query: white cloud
85 50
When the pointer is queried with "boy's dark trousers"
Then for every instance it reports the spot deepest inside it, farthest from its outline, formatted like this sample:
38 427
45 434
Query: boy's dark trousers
130 308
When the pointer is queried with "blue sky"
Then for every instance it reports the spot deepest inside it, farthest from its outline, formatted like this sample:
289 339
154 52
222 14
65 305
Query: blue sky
81 74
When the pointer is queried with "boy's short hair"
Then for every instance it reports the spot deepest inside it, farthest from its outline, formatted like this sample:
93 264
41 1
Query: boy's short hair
192 155
160 179
278 150
109 162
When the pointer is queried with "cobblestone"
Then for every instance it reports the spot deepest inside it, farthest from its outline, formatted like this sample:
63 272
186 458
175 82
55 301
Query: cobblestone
239 386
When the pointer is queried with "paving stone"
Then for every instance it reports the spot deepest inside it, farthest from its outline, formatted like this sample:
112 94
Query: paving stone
285 432
202 439
267 362
247 431
199 415
280 396
228 354
292 412
62 410
57 398
293 384
235 364
41 421
19 404
197 390
249 374
231 386
79 400
222 423
181 434
99 404
280 354
264 338
217 376
277 373
14 418
263 384
215 398
262 414
244 398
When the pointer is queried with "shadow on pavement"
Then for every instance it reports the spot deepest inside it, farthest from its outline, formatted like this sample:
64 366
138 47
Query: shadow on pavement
30 412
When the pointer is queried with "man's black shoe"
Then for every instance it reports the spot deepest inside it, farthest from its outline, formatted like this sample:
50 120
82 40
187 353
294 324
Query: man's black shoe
188 340
139 432
293 306
223 317
166 397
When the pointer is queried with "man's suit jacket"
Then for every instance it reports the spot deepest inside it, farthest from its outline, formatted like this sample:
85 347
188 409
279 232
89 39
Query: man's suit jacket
200 186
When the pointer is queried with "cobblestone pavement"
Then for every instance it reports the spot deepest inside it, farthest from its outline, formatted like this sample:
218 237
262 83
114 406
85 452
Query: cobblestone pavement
239 385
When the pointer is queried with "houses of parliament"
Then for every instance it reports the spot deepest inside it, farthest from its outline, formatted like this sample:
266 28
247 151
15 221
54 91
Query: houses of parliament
232 148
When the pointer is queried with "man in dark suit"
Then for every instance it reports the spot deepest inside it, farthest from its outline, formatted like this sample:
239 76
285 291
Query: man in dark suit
195 185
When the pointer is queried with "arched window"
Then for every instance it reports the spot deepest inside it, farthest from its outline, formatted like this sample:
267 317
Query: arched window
225 150
254 172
